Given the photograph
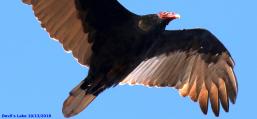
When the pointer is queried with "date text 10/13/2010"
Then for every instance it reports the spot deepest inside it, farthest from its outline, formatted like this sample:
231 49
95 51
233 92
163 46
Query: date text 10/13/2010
26 116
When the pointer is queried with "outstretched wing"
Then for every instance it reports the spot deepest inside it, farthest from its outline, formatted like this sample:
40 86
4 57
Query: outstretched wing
74 22
192 61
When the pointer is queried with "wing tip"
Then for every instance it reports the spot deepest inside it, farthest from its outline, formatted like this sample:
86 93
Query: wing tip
28 2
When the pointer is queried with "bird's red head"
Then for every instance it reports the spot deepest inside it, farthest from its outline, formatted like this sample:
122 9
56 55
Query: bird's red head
168 15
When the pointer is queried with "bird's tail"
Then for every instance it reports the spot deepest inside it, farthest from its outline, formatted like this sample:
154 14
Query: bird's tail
77 101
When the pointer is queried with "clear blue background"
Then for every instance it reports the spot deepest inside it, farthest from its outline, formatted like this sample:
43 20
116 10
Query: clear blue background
36 74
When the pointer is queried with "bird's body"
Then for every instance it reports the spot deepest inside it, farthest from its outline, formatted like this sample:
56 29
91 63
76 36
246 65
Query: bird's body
121 47
117 53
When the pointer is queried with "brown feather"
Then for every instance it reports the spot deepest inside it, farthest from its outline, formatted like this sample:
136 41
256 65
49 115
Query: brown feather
77 101
233 84
68 44
163 73
58 20
174 74
214 99
193 76
171 81
197 76
199 83
223 95
184 90
203 99
192 93
27 1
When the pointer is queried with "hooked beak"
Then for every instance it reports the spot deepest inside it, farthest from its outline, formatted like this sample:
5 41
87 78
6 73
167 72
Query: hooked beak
169 15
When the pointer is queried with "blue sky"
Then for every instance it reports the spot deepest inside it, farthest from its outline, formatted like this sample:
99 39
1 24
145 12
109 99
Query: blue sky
36 74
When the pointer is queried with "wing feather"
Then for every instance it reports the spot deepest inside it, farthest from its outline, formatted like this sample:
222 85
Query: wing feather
203 99
223 95
199 66
60 19
214 99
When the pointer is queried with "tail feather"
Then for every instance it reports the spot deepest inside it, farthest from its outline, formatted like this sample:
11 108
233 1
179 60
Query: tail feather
77 101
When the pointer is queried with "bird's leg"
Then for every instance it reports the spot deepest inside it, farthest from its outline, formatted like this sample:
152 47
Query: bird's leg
89 83
99 87
112 78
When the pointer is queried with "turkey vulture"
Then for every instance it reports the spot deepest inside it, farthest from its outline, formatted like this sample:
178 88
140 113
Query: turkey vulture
120 47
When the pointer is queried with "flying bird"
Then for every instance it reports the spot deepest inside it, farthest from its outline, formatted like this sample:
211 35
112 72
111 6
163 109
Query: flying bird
121 47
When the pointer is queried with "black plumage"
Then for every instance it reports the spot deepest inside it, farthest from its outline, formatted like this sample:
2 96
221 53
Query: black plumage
119 46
